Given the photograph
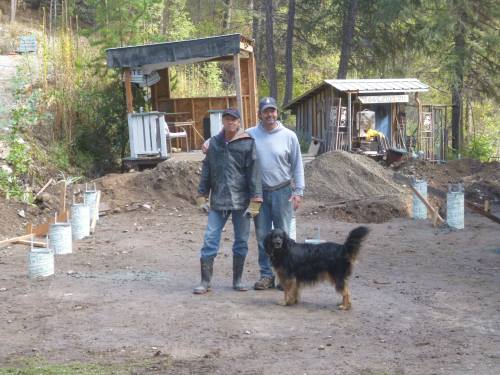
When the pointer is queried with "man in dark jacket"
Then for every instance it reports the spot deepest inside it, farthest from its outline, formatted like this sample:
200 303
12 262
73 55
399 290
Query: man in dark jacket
231 176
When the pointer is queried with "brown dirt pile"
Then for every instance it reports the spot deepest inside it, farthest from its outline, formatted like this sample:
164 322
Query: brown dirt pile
167 184
354 188
481 180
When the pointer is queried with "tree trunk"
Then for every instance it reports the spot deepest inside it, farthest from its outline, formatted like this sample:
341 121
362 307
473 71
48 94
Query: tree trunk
288 53
165 17
458 81
255 5
13 6
348 24
226 20
271 64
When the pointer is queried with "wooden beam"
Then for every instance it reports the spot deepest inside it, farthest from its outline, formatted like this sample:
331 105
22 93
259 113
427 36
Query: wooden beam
29 242
419 123
474 207
237 75
44 187
128 90
252 84
14 239
435 215
480 210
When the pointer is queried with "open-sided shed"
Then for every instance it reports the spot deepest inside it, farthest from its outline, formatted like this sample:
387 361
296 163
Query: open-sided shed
160 57
330 110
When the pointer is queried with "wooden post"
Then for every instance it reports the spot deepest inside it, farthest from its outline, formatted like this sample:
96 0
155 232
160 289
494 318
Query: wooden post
128 90
349 124
62 204
252 84
419 124
237 75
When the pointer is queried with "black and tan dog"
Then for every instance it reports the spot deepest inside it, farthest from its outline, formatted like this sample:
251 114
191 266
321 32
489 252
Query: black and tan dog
300 264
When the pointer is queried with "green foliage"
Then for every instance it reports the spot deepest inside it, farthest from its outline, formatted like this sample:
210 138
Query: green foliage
177 24
101 135
23 116
124 22
18 156
480 148
59 156
197 80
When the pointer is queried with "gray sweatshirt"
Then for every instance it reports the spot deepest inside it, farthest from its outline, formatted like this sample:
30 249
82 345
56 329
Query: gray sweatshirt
278 152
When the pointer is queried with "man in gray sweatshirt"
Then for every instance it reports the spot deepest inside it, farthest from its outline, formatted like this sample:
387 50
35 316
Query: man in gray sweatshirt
278 152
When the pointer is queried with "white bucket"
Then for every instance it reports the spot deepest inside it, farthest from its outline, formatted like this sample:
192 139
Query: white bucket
91 199
40 263
419 208
455 209
60 238
80 220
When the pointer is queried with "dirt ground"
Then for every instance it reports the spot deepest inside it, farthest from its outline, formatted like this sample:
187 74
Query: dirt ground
425 300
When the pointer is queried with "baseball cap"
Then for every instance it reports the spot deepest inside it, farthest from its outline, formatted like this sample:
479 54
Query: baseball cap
231 112
267 102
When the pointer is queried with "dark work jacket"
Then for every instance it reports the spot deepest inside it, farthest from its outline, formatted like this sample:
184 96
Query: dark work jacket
231 172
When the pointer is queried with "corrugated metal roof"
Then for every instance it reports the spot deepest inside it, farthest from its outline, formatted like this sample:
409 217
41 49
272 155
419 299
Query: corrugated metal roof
378 85
366 86
178 52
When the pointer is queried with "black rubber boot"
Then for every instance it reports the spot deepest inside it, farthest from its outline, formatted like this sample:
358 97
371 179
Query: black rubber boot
238 265
207 269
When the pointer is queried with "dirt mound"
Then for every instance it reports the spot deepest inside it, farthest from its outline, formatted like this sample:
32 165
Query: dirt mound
354 188
481 180
165 185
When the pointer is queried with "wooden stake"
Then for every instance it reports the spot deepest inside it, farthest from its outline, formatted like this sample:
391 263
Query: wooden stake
62 203
434 213
43 229
44 187
96 215
487 207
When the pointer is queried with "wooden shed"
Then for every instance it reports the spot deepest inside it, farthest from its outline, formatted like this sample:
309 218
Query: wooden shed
154 60
335 110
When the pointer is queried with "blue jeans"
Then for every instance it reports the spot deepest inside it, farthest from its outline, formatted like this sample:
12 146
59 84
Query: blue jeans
277 211
216 222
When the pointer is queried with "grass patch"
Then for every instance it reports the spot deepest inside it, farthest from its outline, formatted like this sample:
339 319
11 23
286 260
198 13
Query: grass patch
69 369
40 366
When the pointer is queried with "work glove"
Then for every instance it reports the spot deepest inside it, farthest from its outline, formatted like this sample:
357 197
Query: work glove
202 203
253 209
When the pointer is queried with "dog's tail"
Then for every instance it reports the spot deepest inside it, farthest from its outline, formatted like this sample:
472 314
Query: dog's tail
353 242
